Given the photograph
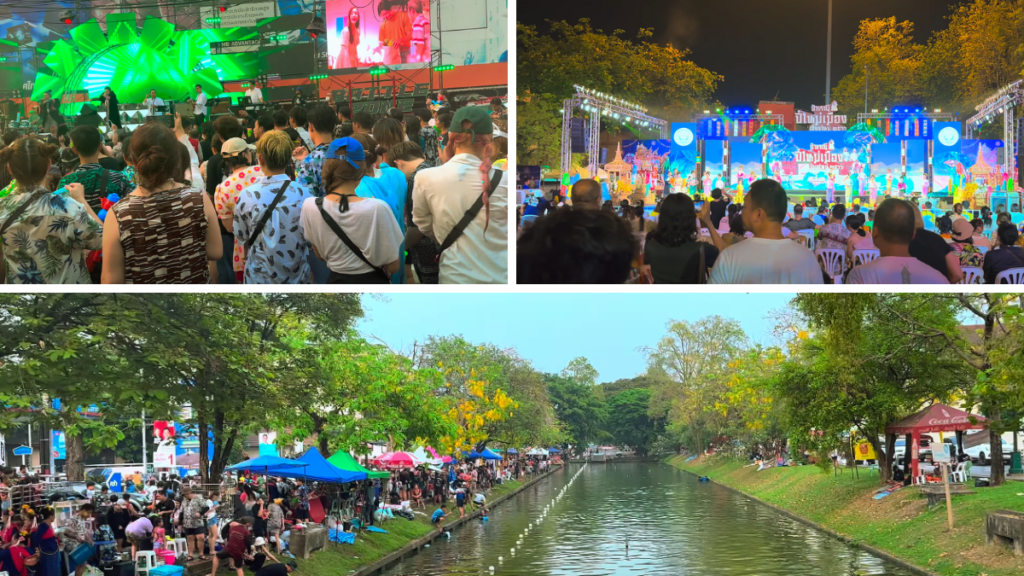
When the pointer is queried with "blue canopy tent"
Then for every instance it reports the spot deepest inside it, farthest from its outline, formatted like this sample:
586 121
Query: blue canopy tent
512 451
486 455
319 469
554 450
264 463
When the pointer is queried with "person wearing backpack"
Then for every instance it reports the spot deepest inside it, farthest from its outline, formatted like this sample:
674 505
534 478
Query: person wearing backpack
359 238
467 215
267 218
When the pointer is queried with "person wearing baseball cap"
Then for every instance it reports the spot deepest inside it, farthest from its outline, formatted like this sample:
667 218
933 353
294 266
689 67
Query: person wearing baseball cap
359 238
239 173
467 215
963 244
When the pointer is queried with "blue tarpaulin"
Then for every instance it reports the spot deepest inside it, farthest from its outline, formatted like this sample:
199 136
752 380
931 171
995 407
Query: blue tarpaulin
486 455
264 463
318 468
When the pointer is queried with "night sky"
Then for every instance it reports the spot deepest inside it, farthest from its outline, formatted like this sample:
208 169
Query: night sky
763 48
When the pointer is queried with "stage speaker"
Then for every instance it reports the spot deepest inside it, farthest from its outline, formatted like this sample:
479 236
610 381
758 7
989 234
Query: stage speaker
578 130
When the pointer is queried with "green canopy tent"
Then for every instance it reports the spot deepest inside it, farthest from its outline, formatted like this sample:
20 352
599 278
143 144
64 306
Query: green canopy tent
343 460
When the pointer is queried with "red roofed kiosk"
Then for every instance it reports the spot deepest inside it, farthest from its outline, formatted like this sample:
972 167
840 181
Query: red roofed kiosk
935 418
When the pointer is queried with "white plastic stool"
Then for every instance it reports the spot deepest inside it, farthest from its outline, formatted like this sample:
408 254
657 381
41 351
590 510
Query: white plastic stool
144 562
179 546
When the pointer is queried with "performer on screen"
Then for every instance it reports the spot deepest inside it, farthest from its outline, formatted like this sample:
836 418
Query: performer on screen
49 114
348 57
109 104
420 31
830 188
395 33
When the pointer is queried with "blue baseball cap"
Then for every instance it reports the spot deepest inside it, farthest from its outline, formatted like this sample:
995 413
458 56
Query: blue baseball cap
347 149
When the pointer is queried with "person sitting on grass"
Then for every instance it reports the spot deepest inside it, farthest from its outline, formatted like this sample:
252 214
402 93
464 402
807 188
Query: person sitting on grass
278 569
417 496
438 517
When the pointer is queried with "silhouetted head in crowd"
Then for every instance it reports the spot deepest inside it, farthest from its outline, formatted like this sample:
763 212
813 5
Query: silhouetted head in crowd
895 225
28 160
1007 234
156 154
576 247
388 132
227 127
297 118
280 118
362 123
322 120
85 140
586 195
677 221
765 209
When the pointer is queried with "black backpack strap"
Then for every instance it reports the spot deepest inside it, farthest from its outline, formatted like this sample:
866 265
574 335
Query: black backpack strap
266 216
21 210
104 181
470 214
336 228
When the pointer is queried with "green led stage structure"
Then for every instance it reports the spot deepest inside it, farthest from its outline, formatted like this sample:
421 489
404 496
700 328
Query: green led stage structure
133 61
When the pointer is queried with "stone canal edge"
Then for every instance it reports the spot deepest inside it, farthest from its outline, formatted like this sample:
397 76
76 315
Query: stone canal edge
414 546
868 548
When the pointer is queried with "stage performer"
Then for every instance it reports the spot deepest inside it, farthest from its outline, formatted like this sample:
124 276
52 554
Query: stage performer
109 100
49 114
888 182
691 182
348 56
254 94
902 188
874 192
395 34
830 188
420 31
707 182
862 184
740 181
924 187
152 102
200 107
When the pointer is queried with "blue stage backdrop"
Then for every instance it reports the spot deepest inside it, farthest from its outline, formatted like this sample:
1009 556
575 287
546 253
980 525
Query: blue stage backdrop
683 157
744 161
947 158
649 158
713 162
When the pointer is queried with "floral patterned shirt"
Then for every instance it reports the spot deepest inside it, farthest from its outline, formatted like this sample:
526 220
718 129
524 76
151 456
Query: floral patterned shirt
225 198
968 254
429 136
308 173
191 516
49 242
278 255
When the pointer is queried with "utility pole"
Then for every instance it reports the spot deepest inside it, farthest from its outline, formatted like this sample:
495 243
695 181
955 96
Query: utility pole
144 456
828 63
865 88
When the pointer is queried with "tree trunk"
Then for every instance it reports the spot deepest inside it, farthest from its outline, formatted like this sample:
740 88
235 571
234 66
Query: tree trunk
75 463
321 438
204 448
998 475
884 456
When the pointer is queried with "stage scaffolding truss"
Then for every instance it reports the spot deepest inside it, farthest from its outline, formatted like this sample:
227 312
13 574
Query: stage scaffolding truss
597 104
1000 103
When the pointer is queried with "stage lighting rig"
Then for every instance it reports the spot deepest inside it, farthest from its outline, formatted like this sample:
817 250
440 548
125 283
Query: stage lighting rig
67 17
316 26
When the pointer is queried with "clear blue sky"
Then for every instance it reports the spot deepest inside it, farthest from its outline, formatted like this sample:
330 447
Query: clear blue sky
552 329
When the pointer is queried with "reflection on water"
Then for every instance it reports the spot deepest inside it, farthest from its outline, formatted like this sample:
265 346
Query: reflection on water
619 519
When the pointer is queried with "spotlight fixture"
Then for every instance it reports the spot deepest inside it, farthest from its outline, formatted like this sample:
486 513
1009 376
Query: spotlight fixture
67 17
316 26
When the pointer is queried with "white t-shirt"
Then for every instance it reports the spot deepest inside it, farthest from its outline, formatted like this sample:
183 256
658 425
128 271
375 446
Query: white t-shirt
150 103
440 197
196 175
369 223
763 261
255 95
895 270
200 104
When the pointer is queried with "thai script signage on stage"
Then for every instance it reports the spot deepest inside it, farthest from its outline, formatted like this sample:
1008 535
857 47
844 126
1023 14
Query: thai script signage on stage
378 99
248 15
822 118
821 155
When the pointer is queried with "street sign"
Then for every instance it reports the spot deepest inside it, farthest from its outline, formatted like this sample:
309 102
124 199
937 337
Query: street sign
23 451
59 445
114 483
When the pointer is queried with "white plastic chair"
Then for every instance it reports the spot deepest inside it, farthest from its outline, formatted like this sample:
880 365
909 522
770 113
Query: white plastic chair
864 256
144 562
833 262
809 237
1011 276
179 546
972 275
958 474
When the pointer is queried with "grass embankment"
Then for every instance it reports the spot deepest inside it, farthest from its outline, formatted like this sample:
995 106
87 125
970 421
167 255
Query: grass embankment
900 524
340 559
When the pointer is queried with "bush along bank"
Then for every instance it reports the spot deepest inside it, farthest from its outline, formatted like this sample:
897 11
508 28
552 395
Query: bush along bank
900 525
372 552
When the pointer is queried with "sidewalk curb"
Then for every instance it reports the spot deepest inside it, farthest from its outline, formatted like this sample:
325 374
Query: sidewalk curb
414 546
842 538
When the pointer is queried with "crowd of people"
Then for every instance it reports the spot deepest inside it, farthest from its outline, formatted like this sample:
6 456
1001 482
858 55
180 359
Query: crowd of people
312 195
764 240
242 523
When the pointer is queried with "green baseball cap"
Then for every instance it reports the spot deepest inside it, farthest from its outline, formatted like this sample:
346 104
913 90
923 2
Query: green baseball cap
480 116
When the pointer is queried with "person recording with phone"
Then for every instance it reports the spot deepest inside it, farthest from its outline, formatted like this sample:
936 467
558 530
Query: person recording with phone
49 114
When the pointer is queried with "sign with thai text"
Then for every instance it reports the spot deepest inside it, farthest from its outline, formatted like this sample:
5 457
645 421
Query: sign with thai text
822 118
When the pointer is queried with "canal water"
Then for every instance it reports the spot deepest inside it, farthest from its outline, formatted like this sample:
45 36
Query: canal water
673 525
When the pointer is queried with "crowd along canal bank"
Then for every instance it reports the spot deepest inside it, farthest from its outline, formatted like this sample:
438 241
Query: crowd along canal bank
899 527
374 553
619 519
